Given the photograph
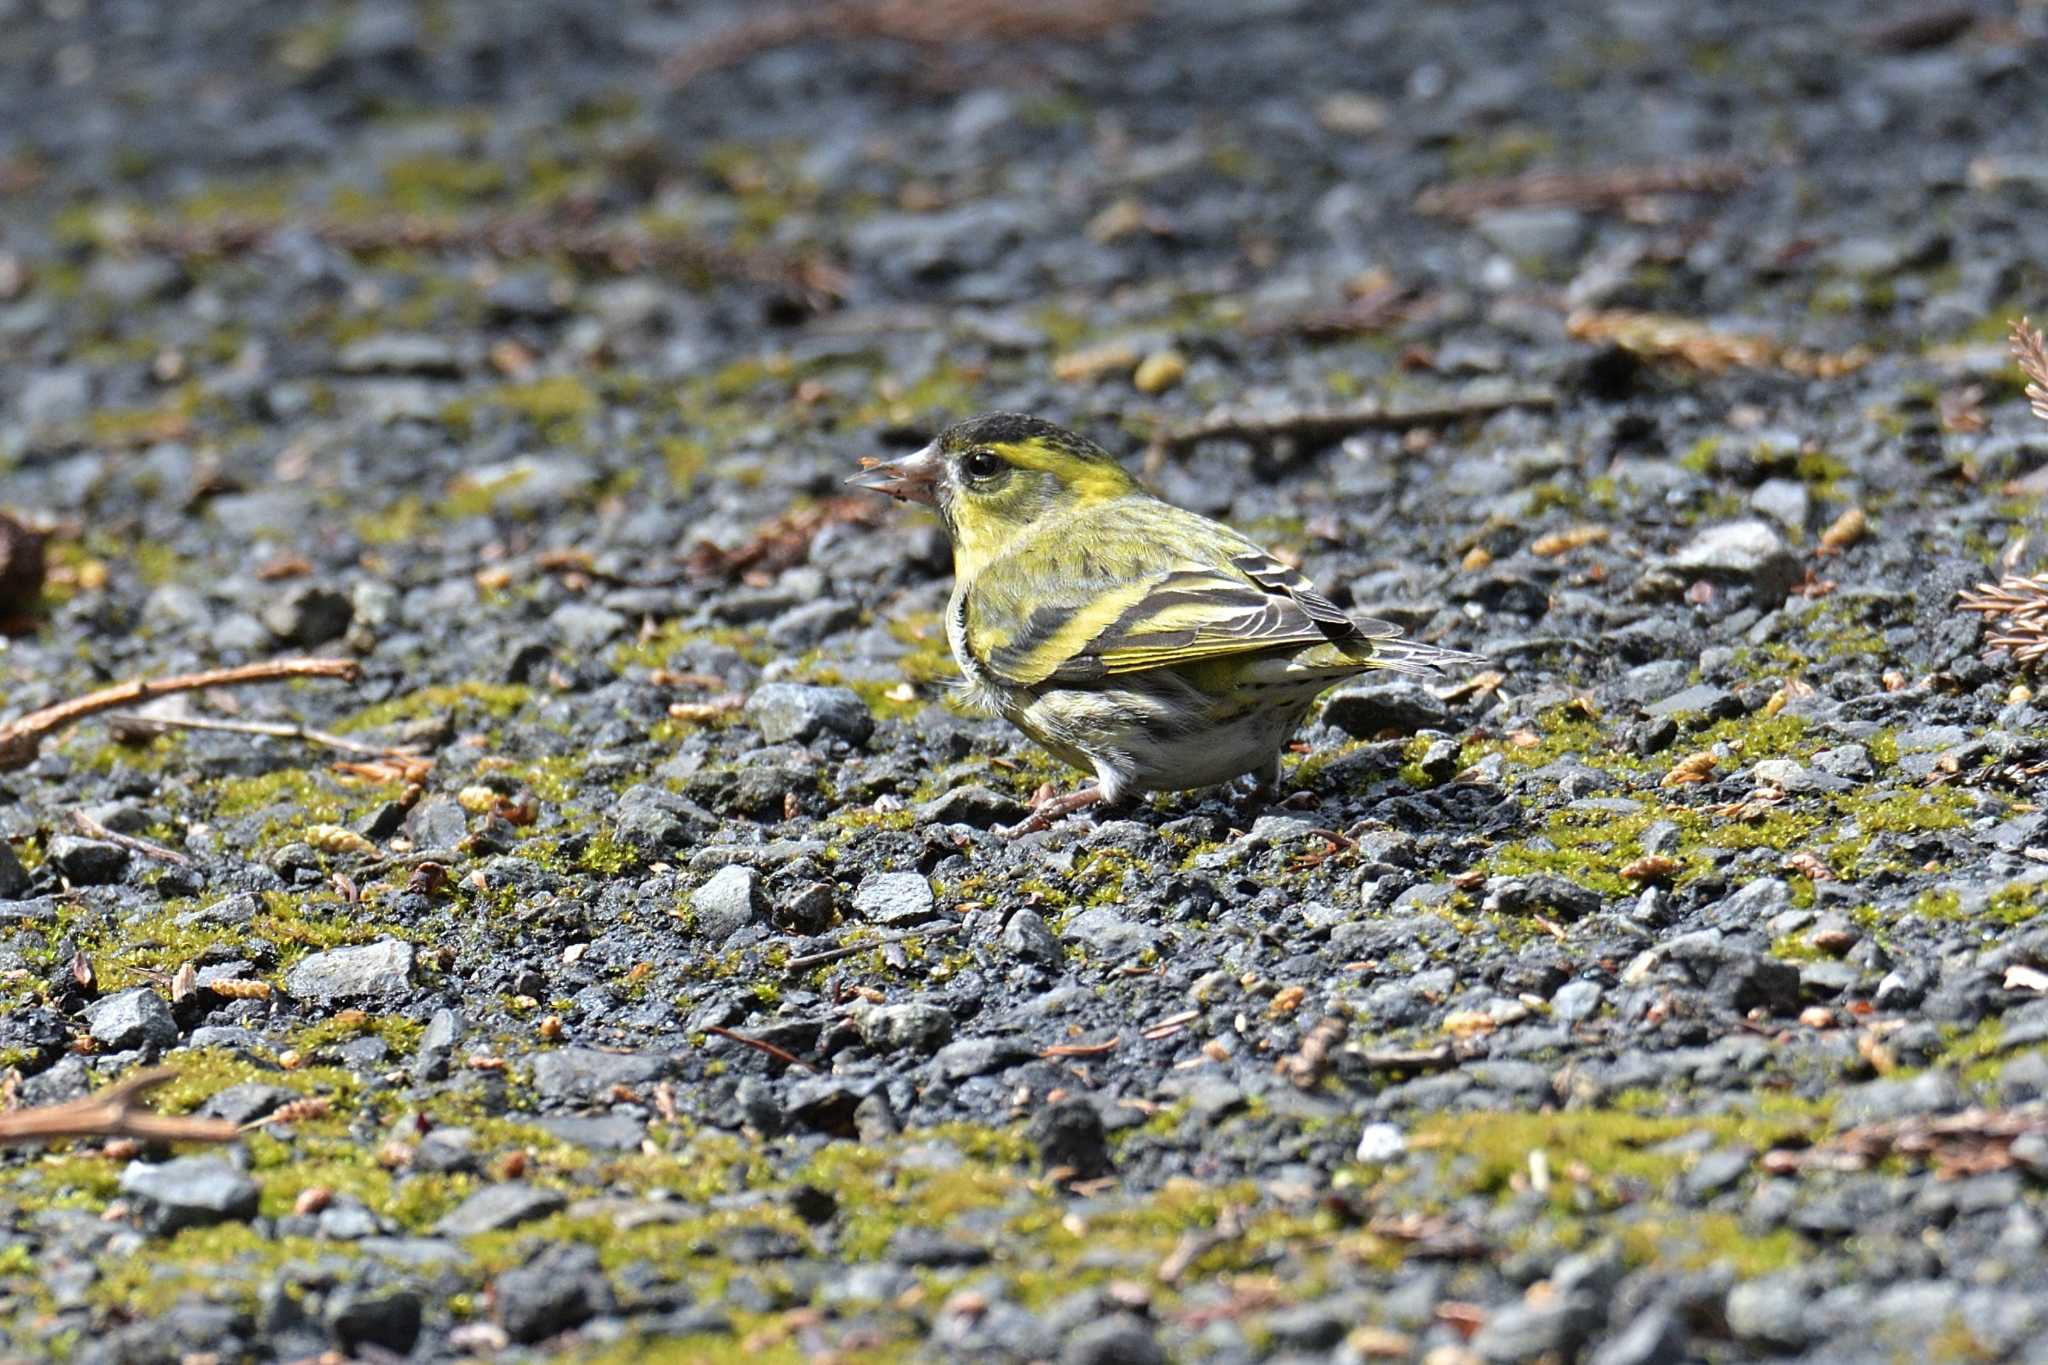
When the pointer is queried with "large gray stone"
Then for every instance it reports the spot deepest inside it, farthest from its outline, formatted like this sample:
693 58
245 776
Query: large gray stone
1366 710
1749 552
368 971
911 1025
1107 932
14 879
584 626
189 1192
801 712
728 903
134 1018
580 1075
495 1207
560 1288
895 898
87 862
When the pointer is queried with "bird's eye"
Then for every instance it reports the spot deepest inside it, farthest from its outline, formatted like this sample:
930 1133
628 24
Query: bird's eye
981 464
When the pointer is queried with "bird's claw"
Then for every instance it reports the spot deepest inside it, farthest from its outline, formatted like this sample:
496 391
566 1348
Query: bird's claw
1046 812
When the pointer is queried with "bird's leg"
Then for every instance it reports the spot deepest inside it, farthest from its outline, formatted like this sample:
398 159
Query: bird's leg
1266 788
1054 808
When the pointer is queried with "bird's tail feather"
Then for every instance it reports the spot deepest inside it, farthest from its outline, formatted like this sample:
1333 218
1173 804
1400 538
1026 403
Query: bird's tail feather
1420 660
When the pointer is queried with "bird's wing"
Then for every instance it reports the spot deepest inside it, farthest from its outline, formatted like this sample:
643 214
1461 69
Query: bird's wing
1083 627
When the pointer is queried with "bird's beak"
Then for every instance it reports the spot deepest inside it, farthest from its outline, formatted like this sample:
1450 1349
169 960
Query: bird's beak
914 478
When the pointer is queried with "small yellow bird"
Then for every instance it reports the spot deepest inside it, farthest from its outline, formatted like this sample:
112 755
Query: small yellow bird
1136 640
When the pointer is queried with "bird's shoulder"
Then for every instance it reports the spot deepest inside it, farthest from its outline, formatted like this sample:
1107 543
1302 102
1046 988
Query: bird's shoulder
1136 584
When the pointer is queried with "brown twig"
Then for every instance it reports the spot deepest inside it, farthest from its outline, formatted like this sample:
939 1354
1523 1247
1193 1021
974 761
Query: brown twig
2032 353
93 829
1321 426
113 1111
1584 189
782 1055
1439 1058
923 23
797 964
1170 1025
145 725
1662 336
1079 1049
22 739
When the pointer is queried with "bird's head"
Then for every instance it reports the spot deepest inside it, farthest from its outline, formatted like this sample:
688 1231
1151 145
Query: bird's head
991 477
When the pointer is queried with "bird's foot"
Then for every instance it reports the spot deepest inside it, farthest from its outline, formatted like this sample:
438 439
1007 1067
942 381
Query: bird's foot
1052 808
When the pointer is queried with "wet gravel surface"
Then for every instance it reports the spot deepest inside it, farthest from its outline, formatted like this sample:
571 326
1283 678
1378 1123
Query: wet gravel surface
652 969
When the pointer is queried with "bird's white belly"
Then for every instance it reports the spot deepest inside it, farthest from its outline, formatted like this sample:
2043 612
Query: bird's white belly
1216 754
1141 740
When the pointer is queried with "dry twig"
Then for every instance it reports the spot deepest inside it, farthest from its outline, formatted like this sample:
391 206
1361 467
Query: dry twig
1582 189
114 1111
1661 336
1440 1058
783 1055
1321 426
144 726
922 23
93 829
22 739
797 964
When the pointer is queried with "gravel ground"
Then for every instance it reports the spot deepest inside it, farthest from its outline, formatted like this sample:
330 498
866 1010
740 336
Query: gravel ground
1671 990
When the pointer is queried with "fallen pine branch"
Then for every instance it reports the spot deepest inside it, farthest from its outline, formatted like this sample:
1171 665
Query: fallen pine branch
1969 1143
115 1111
2031 352
22 739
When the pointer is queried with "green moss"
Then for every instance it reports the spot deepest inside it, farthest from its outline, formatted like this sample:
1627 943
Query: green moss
1703 1241
470 496
404 522
2017 903
683 459
559 407
432 183
463 703
1586 847
607 856
1509 151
